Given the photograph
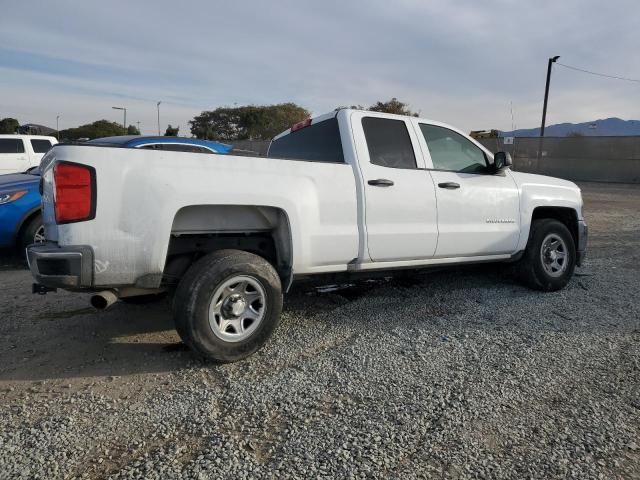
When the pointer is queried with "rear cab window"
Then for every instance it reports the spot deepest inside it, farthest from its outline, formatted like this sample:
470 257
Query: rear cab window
11 145
319 142
40 145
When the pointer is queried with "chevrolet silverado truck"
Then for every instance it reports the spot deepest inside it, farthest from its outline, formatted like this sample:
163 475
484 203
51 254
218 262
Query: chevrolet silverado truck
347 193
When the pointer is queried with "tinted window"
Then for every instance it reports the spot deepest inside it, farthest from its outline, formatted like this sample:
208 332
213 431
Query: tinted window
451 151
319 142
11 145
175 147
40 146
388 142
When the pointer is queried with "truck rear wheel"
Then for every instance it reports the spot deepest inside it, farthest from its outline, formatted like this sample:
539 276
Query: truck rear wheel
550 257
227 305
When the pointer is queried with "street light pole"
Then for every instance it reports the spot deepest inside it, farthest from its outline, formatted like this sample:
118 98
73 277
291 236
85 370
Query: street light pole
124 123
58 127
158 105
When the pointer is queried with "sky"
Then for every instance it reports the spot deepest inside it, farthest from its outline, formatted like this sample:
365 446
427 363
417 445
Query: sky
461 62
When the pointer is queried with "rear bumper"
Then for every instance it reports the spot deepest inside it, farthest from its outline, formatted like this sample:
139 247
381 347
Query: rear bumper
583 233
61 267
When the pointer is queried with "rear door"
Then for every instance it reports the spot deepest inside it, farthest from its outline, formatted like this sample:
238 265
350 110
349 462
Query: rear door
400 201
478 209
13 157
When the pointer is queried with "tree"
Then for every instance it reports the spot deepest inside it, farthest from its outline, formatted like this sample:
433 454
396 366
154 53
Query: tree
133 130
575 134
393 106
9 125
100 128
250 122
171 131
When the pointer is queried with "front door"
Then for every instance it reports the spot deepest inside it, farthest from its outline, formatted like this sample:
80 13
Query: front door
400 200
478 209
13 158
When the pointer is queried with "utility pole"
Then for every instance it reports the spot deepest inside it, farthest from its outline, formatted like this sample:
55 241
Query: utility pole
158 105
552 60
58 127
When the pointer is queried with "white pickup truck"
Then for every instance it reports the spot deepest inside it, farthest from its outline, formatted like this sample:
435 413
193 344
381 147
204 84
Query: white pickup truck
350 192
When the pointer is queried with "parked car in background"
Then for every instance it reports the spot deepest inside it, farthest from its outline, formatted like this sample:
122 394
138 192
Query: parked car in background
173 144
20 218
18 153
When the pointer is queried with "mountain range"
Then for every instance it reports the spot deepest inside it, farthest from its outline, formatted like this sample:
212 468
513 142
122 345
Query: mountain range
614 127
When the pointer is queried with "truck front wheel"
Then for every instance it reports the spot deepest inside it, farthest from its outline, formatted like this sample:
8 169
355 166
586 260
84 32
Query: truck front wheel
550 256
227 305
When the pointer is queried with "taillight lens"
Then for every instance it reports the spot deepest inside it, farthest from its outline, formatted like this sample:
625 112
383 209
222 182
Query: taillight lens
75 192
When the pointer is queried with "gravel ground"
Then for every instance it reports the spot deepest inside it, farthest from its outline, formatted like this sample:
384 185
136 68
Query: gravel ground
456 374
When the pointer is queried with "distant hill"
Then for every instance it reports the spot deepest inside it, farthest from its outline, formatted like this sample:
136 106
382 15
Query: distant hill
615 127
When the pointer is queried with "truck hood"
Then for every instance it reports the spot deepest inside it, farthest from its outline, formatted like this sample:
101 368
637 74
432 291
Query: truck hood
533 180
14 181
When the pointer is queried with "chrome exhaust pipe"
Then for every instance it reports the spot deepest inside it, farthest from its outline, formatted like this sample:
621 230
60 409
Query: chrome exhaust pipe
103 300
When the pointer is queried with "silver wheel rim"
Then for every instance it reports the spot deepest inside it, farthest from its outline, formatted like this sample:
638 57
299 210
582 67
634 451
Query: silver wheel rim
237 307
38 237
554 255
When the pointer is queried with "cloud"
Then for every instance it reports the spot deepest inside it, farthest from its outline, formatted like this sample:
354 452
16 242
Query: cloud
456 61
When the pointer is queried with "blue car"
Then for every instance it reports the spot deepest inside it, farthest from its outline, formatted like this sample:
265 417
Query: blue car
20 218
174 144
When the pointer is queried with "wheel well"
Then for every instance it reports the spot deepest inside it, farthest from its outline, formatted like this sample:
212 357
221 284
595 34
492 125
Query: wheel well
566 215
25 221
201 229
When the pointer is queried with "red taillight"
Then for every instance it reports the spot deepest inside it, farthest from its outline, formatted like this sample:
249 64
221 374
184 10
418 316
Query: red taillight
74 192
304 123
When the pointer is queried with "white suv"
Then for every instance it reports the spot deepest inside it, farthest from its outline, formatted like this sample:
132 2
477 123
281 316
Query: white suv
21 152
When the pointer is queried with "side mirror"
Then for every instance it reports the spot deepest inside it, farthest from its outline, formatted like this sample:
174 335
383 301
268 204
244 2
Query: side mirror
502 160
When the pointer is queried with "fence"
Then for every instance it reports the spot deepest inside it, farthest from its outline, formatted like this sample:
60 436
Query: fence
593 159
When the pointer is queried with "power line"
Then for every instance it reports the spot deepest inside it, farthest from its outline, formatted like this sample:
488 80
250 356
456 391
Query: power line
599 74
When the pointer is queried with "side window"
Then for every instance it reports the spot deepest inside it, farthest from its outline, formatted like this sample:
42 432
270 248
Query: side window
388 142
11 145
451 151
153 146
40 146
176 147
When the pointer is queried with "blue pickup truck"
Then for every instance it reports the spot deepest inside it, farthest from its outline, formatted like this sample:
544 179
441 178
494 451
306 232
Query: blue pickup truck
20 218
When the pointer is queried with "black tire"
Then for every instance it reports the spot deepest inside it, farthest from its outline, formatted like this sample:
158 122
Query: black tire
531 269
196 290
28 232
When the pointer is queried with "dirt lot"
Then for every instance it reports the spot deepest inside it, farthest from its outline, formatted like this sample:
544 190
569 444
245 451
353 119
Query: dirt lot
458 374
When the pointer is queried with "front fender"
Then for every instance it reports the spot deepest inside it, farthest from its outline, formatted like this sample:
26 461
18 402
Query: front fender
538 191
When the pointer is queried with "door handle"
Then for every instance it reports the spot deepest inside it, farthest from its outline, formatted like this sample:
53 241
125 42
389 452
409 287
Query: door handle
381 182
449 185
